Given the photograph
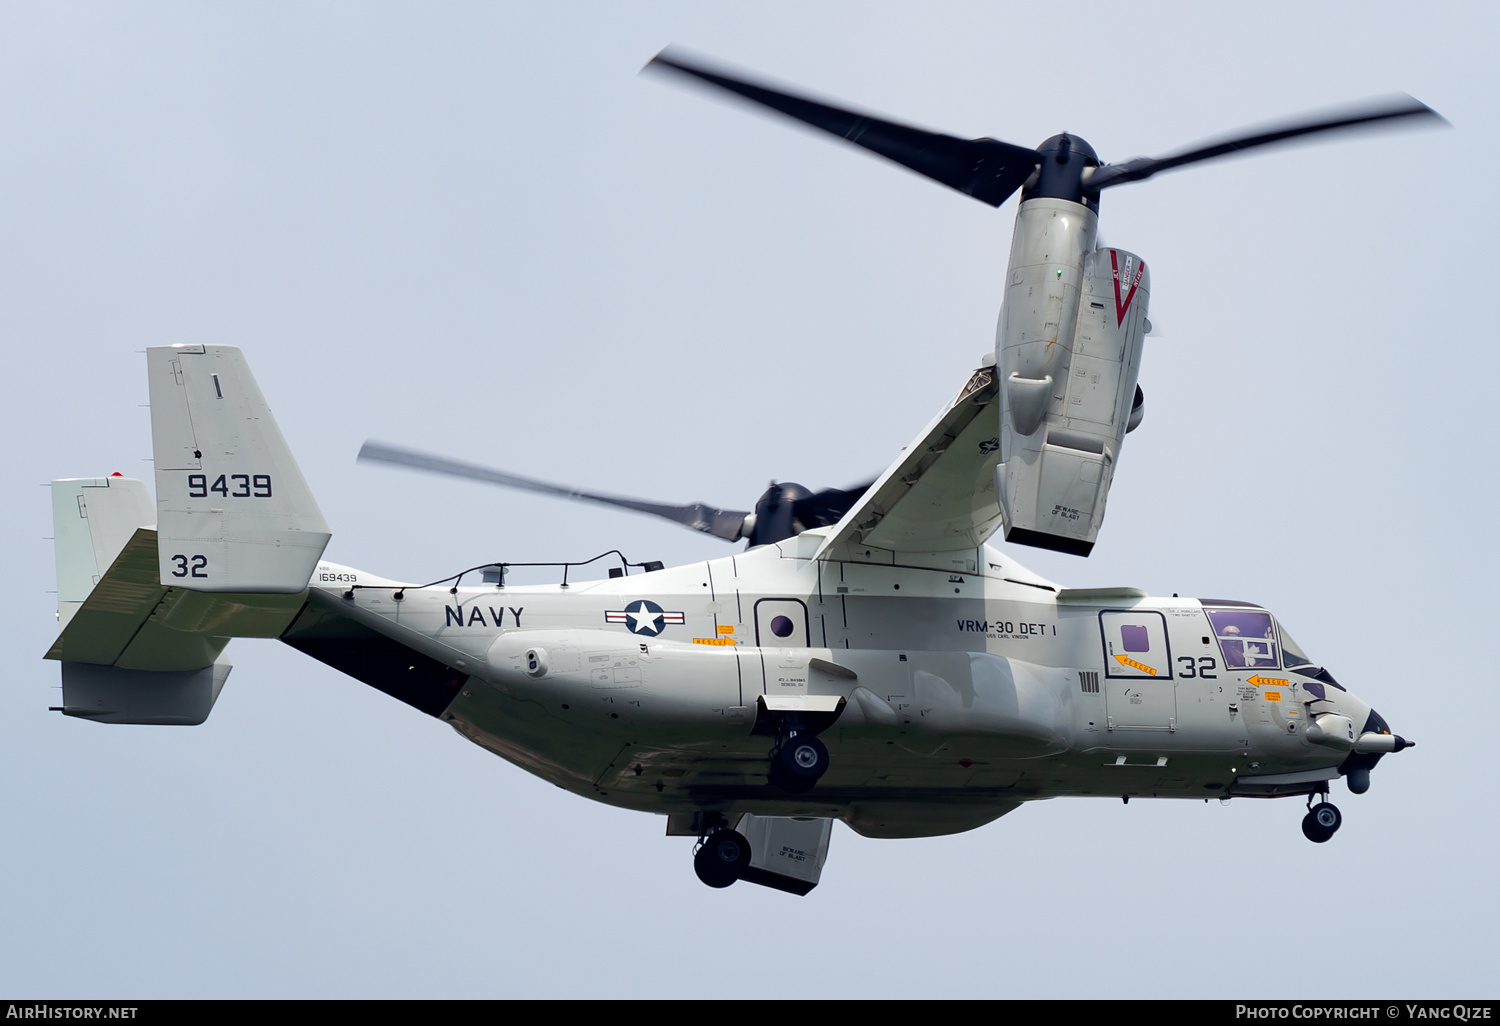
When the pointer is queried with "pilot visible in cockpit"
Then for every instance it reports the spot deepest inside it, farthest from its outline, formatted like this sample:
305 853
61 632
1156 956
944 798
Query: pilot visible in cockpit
1248 639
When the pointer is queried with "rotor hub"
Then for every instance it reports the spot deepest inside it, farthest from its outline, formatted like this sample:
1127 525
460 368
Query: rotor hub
1059 173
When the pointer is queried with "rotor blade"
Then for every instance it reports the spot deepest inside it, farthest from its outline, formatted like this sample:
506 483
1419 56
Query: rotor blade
1367 115
827 507
721 523
987 169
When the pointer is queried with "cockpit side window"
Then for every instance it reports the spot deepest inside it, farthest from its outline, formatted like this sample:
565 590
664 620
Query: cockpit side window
1291 651
1247 637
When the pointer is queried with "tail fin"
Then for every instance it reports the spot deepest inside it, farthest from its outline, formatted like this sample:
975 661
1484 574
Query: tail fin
92 519
234 512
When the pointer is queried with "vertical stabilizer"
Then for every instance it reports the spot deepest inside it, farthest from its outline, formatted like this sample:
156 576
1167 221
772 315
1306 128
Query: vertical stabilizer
233 510
92 519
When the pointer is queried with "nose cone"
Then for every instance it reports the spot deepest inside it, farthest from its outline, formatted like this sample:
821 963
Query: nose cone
1374 741
1376 729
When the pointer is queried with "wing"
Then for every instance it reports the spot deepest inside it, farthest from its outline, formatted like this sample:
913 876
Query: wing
940 495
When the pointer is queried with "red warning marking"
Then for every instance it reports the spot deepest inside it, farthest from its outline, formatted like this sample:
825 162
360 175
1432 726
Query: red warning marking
1120 308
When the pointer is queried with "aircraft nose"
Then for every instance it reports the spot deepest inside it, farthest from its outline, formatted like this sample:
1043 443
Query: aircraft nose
1377 737
1374 741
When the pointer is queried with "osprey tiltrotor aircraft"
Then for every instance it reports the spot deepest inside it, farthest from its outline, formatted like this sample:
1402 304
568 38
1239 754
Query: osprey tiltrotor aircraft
868 657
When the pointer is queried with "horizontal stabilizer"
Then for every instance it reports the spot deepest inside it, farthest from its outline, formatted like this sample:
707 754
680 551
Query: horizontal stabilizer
133 621
234 512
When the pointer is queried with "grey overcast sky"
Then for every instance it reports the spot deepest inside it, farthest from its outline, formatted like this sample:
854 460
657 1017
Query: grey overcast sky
473 228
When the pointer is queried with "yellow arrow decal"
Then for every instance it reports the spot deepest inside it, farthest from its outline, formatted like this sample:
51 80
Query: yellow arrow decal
1127 661
1261 682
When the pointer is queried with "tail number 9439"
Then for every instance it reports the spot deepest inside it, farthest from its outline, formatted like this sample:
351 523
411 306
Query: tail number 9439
230 486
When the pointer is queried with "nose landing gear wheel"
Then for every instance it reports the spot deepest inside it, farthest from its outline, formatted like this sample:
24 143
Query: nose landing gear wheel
723 858
799 763
1321 822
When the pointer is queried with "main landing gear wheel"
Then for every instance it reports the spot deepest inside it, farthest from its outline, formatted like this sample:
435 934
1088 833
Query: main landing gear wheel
1321 822
723 858
798 763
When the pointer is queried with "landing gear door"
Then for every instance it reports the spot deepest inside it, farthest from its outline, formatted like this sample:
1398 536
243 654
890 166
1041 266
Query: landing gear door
1139 691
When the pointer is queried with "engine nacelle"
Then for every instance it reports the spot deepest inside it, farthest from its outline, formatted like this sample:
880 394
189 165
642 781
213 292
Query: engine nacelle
1068 352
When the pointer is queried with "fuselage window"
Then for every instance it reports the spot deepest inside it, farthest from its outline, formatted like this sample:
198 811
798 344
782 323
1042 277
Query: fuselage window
1135 639
1247 637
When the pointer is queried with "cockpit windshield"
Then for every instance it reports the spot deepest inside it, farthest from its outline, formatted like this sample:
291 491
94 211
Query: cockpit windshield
1247 637
1291 651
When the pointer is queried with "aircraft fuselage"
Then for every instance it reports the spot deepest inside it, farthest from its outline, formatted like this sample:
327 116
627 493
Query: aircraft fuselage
964 693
